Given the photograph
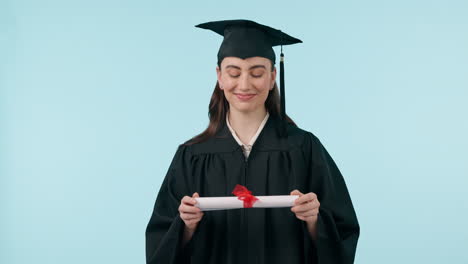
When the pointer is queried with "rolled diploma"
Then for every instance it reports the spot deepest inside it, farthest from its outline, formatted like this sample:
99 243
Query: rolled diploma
224 203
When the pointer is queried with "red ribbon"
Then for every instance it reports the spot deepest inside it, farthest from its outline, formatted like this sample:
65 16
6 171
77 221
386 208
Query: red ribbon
245 195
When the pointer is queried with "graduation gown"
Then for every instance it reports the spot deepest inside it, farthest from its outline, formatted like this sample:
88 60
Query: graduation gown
275 166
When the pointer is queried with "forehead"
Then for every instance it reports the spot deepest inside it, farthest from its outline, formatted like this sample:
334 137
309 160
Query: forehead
245 63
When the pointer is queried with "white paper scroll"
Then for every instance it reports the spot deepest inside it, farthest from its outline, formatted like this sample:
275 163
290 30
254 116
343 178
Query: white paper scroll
224 203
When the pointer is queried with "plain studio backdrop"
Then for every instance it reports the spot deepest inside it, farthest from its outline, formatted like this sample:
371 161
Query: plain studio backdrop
95 97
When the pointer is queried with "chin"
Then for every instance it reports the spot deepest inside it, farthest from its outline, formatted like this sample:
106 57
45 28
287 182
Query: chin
245 107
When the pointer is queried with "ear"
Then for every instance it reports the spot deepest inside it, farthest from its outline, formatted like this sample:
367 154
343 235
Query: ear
218 74
273 77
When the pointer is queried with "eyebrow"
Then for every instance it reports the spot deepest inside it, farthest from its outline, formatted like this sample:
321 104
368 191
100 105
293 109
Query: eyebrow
253 67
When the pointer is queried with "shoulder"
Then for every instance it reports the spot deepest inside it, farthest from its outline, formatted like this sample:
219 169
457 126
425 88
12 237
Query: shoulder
220 143
301 137
182 156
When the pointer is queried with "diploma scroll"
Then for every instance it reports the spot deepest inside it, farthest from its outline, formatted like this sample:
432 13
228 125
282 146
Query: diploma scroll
225 203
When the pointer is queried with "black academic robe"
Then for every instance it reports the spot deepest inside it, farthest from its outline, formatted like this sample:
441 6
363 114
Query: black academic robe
276 166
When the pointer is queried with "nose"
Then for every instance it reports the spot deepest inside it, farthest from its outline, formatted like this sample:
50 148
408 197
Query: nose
244 84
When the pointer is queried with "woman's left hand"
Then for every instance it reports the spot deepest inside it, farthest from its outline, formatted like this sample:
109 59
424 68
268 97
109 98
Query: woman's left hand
306 207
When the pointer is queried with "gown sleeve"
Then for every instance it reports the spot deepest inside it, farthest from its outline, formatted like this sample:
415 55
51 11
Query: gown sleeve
165 228
337 227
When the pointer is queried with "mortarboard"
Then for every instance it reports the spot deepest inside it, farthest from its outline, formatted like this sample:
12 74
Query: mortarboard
245 39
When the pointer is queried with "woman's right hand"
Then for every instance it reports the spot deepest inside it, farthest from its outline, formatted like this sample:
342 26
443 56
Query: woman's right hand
189 213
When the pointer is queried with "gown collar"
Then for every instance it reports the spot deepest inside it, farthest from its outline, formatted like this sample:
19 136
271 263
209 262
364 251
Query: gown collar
247 147
268 138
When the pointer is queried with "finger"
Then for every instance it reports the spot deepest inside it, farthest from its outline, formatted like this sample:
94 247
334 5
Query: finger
193 221
308 213
195 195
299 210
300 217
303 207
307 219
190 214
189 209
296 192
186 216
189 200
306 198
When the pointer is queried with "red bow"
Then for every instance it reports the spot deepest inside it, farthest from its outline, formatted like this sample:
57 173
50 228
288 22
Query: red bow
245 195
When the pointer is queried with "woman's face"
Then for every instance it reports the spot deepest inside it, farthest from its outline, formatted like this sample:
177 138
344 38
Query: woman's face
246 82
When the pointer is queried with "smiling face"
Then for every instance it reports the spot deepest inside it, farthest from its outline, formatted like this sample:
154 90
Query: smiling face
246 82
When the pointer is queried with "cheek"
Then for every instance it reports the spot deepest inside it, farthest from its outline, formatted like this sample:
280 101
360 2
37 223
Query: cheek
263 89
263 85
228 83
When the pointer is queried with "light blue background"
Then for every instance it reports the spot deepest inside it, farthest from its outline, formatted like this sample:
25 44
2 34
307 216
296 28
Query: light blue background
95 96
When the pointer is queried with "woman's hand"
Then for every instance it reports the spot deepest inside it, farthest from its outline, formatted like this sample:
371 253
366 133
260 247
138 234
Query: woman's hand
189 213
306 207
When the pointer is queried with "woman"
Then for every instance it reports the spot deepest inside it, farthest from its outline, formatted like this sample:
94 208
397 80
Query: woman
250 141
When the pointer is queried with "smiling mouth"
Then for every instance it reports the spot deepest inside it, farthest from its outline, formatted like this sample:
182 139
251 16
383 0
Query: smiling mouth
245 97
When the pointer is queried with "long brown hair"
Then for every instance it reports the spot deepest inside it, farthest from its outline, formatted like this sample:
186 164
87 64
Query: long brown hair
219 107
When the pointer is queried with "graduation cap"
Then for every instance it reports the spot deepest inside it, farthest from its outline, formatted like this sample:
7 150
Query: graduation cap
245 39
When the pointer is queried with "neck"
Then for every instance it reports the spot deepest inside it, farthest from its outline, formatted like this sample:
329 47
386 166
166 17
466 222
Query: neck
246 123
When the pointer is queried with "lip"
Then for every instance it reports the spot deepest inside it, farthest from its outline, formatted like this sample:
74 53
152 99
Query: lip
245 97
